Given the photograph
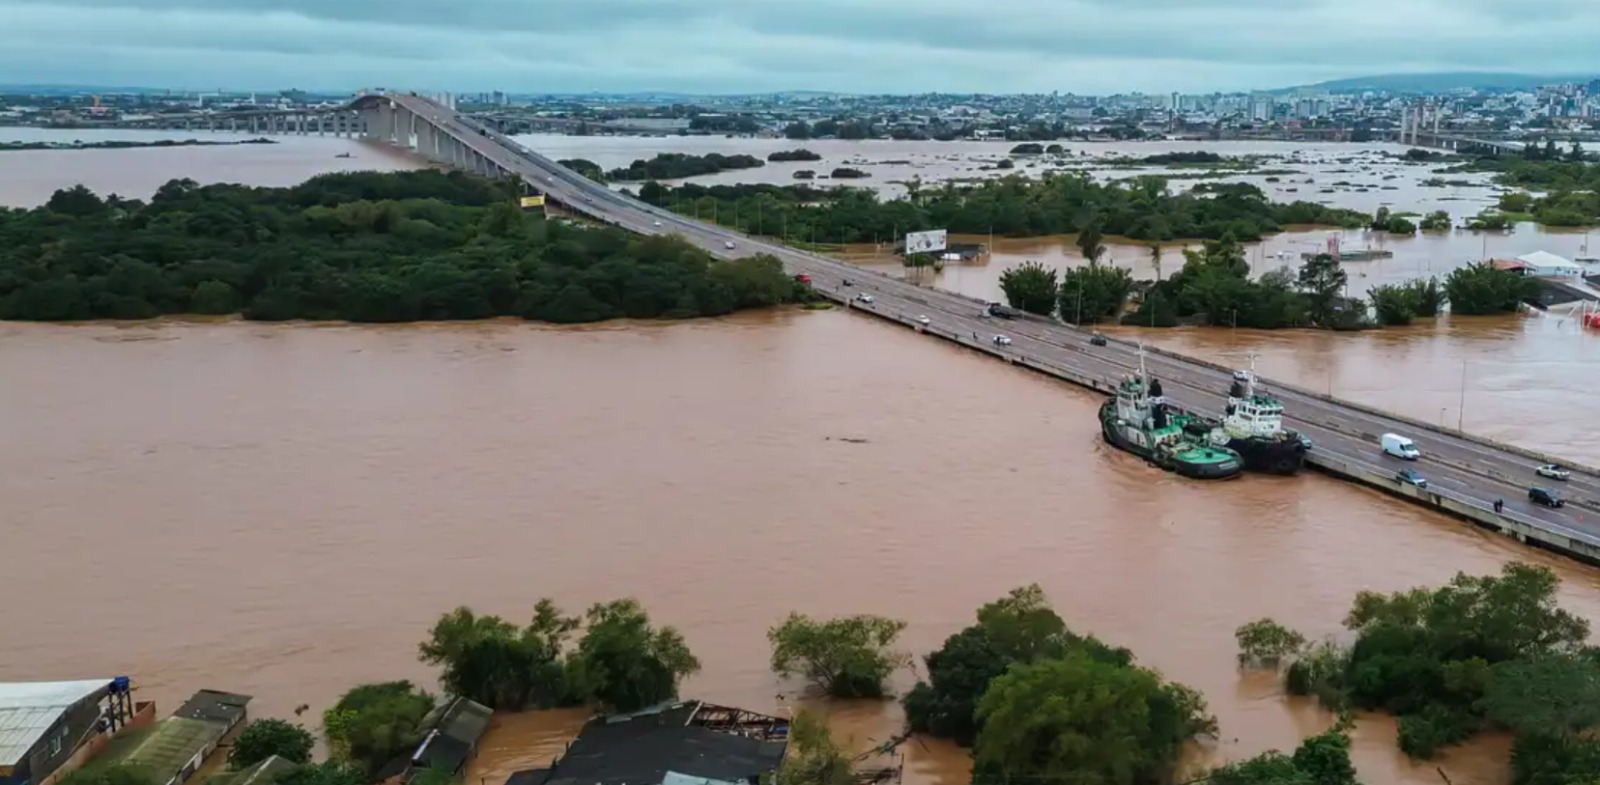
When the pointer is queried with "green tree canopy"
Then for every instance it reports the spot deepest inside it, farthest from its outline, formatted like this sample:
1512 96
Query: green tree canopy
1323 281
1548 693
1094 294
332 772
848 657
1266 643
1323 759
1450 660
497 664
814 758
1031 287
372 723
1077 719
1018 628
264 738
360 246
1481 289
623 663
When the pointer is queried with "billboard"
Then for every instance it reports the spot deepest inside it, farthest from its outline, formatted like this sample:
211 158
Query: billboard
532 201
925 242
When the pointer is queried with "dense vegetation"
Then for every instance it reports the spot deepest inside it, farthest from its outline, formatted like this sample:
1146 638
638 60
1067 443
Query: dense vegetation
372 723
848 173
1057 203
1214 287
1038 702
1482 289
369 247
674 166
1323 759
1570 182
585 167
264 738
1398 304
814 758
801 154
125 144
1484 652
620 663
847 657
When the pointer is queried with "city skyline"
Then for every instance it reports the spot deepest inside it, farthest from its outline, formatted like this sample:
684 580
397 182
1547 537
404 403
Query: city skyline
723 47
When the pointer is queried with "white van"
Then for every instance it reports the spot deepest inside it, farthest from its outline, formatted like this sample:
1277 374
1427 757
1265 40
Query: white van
1399 446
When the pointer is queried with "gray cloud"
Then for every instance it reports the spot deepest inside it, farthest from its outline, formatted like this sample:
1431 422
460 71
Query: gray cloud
1086 46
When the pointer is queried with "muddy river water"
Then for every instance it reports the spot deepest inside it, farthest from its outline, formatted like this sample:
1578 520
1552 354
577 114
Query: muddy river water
282 510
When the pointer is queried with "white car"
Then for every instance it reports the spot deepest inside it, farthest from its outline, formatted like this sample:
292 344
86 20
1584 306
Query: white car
866 298
657 223
1001 340
1553 471
924 321
728 245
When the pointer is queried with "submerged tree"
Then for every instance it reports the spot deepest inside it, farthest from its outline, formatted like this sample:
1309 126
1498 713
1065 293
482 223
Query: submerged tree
848 657
1031 287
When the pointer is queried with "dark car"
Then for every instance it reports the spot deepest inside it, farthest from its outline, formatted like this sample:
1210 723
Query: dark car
848 282
1411 477
1097 340
1545 497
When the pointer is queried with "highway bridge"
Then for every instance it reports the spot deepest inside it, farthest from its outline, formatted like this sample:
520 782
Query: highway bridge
1466 474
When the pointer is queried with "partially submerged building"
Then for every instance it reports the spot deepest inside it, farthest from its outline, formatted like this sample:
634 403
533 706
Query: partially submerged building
174 748
688 743
50 728
450 735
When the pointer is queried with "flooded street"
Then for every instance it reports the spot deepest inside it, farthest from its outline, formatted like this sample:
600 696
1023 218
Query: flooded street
283 510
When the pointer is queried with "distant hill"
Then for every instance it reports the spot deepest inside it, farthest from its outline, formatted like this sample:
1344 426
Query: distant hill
1442 82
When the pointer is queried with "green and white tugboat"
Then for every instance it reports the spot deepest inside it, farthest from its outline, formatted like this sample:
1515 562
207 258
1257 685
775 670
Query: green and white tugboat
1138 420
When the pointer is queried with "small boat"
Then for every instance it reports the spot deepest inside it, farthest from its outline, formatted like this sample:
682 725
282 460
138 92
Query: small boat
1138 420
343 155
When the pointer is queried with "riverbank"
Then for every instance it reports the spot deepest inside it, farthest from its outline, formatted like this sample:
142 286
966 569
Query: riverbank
125 144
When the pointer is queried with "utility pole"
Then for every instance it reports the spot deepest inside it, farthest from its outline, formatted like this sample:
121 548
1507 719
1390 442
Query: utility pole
1461 407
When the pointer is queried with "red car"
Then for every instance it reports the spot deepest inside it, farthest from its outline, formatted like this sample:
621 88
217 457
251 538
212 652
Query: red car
802 278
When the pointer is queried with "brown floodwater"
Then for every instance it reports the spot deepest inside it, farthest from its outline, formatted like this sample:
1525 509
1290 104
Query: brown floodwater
282 510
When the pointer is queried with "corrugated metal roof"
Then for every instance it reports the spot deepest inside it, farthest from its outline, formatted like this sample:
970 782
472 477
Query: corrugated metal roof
28 709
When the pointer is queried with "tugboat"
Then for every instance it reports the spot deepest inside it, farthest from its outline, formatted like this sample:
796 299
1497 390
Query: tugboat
1253 427
1138 420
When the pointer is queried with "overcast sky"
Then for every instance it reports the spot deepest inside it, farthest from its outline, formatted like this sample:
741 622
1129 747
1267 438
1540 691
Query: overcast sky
718 46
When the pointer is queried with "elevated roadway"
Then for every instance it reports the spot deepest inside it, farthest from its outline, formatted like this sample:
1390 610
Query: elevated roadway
1466 474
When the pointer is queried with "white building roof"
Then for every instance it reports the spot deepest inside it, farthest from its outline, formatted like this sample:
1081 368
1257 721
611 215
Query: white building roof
28 709
1546 260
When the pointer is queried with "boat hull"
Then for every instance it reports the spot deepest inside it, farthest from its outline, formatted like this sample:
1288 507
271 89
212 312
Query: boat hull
1270 456
1195 470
